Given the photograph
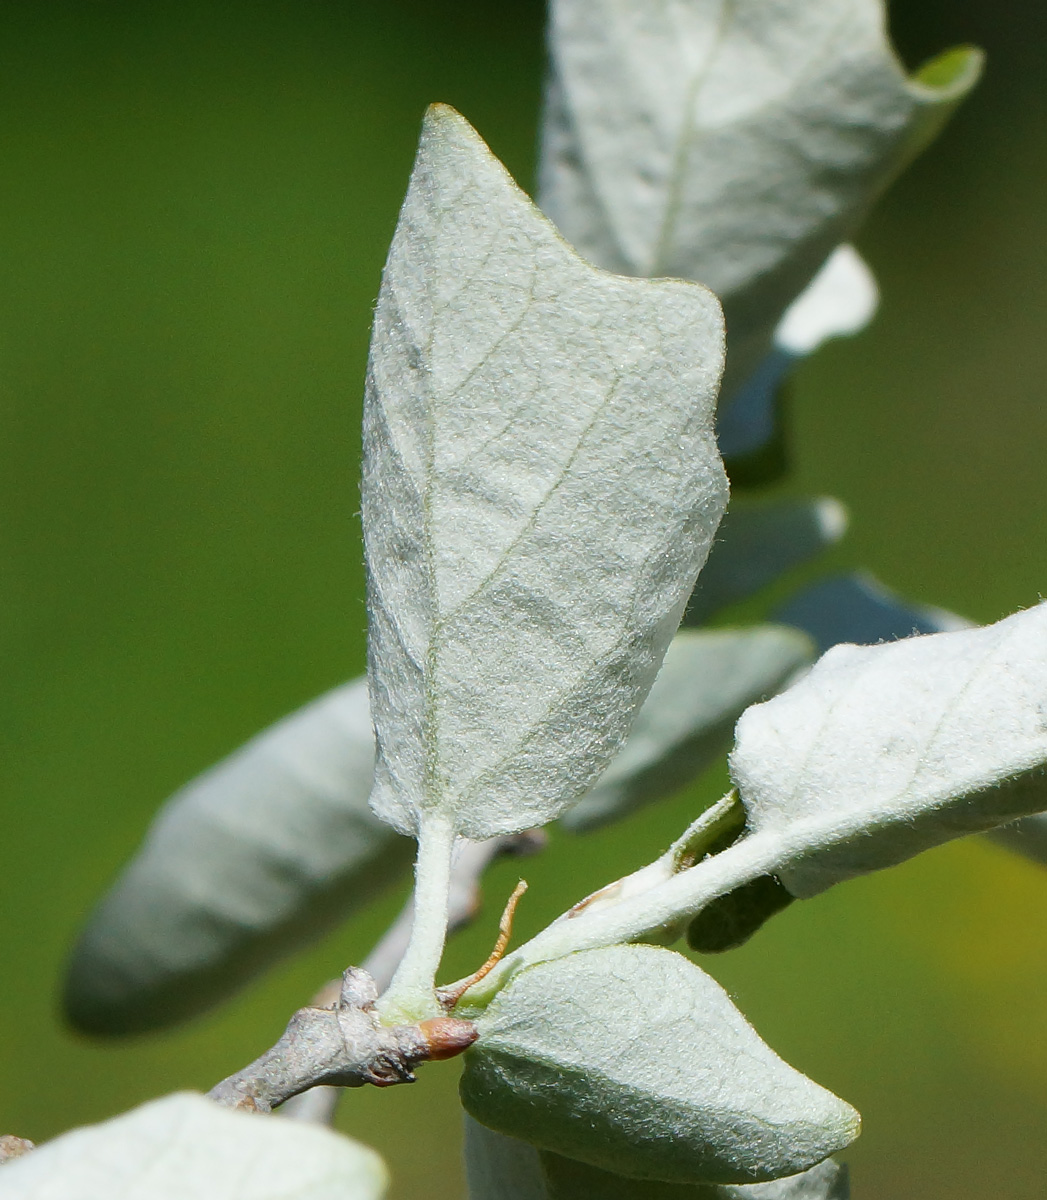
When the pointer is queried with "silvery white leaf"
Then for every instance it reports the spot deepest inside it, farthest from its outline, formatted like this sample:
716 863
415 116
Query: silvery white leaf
736 144
839 301
541 486
756 545
708 678
185 1147
858 608
245 863
1027 837
633 1060
883 751
504 1168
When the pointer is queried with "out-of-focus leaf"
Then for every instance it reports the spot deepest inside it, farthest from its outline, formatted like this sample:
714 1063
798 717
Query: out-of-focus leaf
1027 837
883 751
707 680
752 426
255 857
504 1168
756 545
858 608
738 145
838 302
731 920
541 486
184 1147
633 1060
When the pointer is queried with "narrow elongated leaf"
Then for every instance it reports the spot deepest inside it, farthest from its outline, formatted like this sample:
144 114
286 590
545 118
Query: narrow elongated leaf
707 680
184 1147
633 1060
541 486
254 858
858 608
883 751
736 144
757 545
504 1168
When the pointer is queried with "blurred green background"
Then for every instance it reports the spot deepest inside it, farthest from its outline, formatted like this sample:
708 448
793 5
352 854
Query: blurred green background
195 203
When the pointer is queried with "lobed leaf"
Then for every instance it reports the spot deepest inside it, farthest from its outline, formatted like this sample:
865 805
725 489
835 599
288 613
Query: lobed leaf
883 751
736 144
184 1147
541 486
757 545
259 854
707 680
504 1168
633 1060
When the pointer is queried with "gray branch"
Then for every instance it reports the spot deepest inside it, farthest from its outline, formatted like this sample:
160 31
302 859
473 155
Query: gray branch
346 1046
318 1104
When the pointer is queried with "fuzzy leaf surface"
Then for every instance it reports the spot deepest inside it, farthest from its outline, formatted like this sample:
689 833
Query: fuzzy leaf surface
185 1147
250 860
734 143
883 751
633 1060
541 486
504 1168
708 678
1027 837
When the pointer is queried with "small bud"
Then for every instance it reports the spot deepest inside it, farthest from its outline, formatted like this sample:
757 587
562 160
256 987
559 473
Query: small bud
447 1037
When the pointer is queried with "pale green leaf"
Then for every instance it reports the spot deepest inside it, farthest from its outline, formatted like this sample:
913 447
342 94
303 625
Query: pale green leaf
252 859
738 144
185 1147
633 1060
756 545
707 680
504 1168
541 486
883 751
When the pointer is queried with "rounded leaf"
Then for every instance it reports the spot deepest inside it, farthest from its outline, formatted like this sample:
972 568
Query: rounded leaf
632 1059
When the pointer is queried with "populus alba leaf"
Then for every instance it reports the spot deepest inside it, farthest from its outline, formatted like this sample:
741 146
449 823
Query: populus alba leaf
541 487
185 1147
758 544
504 1168
633 1060
708 678
251 860
883 751
735 143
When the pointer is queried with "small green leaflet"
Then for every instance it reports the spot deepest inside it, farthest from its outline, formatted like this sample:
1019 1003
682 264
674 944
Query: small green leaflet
541 487
633 1060
253 859
738 144
707 679
185 1147
883 751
